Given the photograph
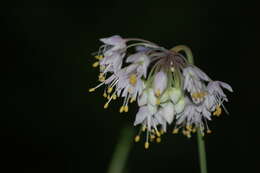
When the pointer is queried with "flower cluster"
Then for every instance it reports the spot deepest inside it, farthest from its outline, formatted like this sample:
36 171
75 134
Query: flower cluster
167 87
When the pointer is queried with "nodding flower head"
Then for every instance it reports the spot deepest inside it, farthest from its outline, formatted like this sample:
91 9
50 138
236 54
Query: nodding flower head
168 88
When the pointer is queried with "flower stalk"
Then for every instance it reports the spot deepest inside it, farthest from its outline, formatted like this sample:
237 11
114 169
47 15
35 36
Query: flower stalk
122 149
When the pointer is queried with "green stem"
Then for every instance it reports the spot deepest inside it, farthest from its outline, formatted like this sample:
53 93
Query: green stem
201 142
202 152
121 152
187 51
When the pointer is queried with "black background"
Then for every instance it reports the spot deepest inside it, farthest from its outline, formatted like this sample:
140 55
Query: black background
50 123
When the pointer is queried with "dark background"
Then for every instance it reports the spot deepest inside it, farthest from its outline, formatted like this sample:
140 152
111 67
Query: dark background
49 121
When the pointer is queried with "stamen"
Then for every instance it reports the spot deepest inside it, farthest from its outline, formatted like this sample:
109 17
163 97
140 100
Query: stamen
95 64
189 127
132 79
105 95
126 108
162 131
198 95
114 97
152 136
157 92
121 109
146 145
175 131
158 101
106 105
158 140
144 128
132 100
91 89
137 138
110 98
99 57
218 111
109 90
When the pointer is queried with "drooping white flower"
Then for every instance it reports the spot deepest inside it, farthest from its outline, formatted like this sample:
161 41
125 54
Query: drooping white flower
193 117
160 83
142 59
175 94
149 120
193 78
167 111
215 98
113 43
111 63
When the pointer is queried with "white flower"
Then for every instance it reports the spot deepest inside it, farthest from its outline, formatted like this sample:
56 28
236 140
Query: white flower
160 83
175 94
111 63
179 107
193 118
167 112
216 96
193 78
115 41
169 90
142 59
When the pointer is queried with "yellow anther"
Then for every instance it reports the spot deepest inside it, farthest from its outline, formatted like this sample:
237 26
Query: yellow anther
152 137
158 133
121 109
132 79
102 79
91 89
194 95
158 140
198 95
184 132
189 127
137 138
95 64
146 145
161 131
132 100
99 57
175 131
101 75
126 108
158 101
106 106
209 131
157 92
109 90
143 128
105 94
114 97
194 130
218 111
102 68
108 96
